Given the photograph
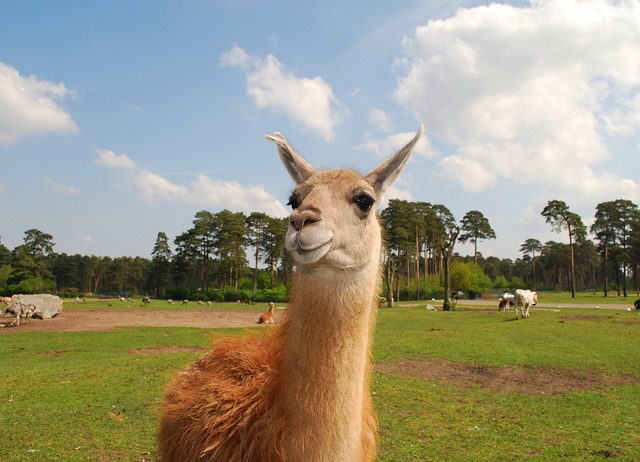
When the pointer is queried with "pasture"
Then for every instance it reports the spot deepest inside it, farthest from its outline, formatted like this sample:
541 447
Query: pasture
469 385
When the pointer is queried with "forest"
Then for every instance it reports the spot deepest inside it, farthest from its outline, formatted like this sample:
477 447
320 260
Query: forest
229 256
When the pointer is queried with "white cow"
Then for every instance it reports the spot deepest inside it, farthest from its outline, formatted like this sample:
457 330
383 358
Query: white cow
524 299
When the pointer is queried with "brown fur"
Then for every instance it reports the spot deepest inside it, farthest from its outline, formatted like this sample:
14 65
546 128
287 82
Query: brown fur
300 393
267 318
221 408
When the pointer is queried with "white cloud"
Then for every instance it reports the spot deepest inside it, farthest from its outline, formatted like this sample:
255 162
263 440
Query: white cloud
532 94
67 190
154 188
110 159
206 192
380 119
625 117
29 106
394 193
385 147
308 101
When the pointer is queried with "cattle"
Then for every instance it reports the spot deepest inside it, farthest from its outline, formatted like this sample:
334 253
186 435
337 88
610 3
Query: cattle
525 298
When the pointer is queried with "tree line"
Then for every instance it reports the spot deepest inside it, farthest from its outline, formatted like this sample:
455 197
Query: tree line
232 256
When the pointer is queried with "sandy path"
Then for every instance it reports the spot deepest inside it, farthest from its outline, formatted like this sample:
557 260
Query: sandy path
102 320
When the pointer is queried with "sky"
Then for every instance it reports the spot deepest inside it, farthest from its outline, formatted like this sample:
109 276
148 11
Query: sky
119 120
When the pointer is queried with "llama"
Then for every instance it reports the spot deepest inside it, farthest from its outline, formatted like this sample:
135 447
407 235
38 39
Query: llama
20 310
299 393
267 318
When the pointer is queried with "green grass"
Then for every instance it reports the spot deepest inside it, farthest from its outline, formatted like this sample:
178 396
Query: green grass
87 397
590 298
436 421
155 305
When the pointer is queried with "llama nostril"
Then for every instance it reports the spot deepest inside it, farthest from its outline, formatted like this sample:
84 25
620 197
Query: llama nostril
300 222
308 221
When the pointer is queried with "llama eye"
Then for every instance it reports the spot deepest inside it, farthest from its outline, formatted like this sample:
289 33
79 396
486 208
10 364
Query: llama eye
293 202
364 202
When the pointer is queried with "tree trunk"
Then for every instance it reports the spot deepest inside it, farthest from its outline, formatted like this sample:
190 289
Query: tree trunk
447 305
573 269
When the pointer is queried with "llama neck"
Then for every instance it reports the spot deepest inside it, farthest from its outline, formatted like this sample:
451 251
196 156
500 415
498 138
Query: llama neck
326 363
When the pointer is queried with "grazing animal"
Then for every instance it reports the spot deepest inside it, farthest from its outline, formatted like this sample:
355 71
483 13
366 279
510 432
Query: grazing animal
504 304
169 301
146 300
20 310
185 302
299 393
267 318
525 298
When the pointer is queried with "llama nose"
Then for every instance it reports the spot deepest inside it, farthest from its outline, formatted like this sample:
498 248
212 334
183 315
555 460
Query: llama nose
300 220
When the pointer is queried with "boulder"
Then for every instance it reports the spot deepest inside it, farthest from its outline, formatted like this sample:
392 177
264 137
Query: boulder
47 306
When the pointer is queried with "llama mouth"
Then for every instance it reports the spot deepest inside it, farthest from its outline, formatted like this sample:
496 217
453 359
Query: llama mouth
307 254
308 250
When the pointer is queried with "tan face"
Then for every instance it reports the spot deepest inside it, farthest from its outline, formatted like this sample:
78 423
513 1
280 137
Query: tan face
333 220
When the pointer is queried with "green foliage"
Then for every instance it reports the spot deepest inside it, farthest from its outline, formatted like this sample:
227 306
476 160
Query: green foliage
5 274
500 283
33 285
461 276
516 283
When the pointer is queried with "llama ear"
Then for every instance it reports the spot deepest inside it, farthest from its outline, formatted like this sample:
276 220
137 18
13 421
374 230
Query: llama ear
386 173
299 169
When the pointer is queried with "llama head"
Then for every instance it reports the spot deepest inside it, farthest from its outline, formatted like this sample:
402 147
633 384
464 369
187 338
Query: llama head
333 222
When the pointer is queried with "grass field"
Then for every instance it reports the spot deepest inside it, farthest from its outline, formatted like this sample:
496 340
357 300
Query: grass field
469 385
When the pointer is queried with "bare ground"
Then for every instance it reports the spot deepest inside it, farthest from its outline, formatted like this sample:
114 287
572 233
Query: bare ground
103 320
548 381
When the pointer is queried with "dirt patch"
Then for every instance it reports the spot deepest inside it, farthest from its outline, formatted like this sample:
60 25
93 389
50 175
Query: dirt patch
583 317
550 381
103 320
165 349
51 352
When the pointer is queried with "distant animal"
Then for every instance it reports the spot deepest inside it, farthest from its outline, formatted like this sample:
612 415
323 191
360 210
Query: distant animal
504 304
20 311
169 301
185 302
267 318
636 304
5 301
300 393
525 298
146 300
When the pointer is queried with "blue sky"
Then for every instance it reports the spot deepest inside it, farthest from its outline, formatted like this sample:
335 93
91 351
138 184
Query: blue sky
122 119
